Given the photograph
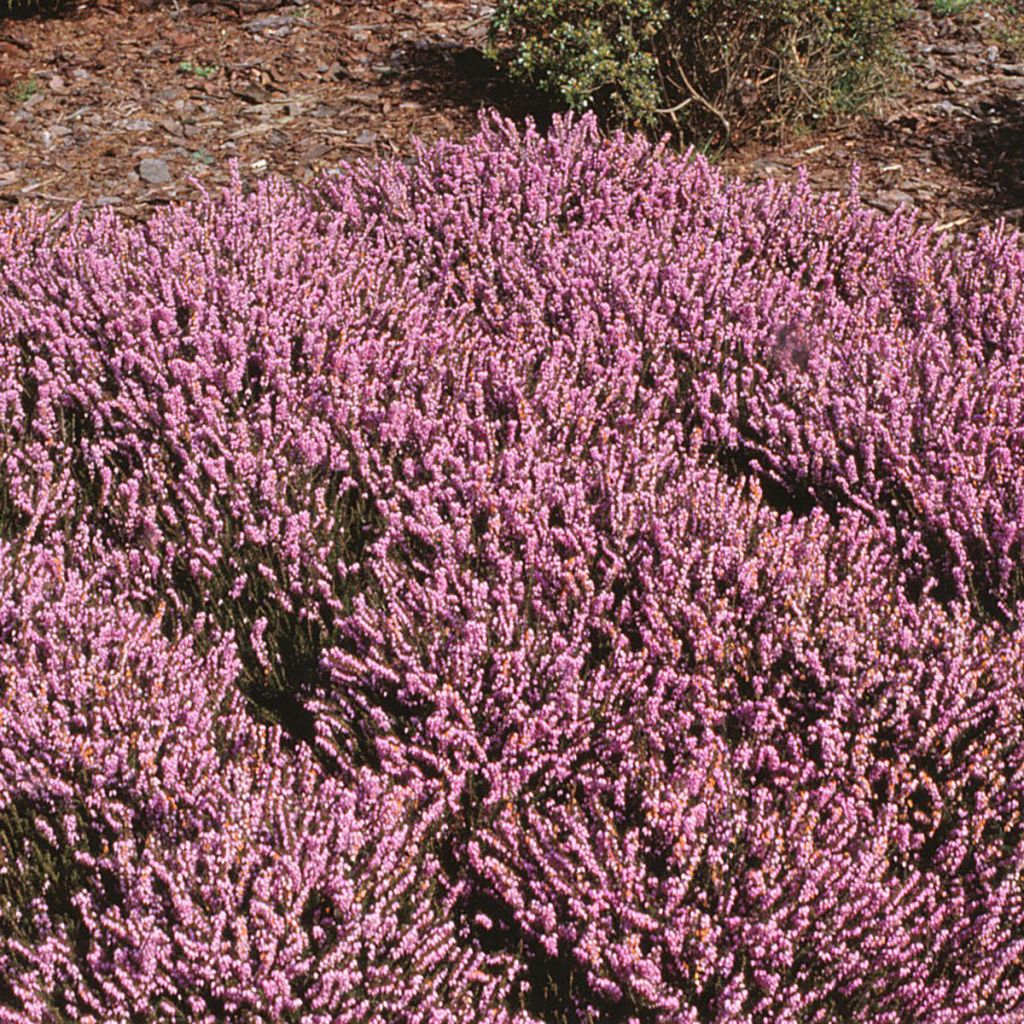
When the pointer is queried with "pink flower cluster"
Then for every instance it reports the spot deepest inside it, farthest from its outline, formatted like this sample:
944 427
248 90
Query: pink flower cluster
167 858
547 583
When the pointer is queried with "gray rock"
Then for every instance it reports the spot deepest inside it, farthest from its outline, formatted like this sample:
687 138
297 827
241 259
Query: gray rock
890 201
154 171
950 109
366 138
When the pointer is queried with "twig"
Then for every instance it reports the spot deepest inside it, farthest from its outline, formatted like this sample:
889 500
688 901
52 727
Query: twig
949 225
39 184
674 110
52 198
14 40
700 98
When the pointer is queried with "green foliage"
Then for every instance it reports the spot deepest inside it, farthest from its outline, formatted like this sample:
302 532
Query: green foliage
701 68
946 8
199 70
588 50
22 90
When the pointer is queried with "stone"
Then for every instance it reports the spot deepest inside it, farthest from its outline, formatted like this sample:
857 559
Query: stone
154 172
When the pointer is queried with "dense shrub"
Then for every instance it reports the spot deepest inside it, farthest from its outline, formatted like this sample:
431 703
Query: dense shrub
626 560
168 859
705 69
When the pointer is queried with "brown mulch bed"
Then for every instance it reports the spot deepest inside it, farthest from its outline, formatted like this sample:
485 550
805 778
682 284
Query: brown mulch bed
103 103
949 141
121 105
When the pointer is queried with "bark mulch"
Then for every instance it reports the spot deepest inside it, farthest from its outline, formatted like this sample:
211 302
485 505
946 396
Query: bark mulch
949 140
121 105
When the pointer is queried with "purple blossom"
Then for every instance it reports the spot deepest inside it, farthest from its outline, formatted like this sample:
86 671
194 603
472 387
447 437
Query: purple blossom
544 583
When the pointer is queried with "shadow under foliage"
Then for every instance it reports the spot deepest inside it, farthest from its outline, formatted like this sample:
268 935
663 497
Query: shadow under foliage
463 77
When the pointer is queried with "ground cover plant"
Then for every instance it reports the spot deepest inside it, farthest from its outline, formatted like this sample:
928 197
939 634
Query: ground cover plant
543 583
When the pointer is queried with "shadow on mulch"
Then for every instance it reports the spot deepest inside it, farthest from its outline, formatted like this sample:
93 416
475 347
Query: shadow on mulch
37 10
991 154
462 77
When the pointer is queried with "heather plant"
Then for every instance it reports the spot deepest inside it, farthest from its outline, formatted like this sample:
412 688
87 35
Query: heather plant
246 467
621 565
704 69
167 859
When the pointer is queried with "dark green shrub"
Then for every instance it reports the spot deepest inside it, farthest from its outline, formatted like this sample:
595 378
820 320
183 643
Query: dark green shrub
705 69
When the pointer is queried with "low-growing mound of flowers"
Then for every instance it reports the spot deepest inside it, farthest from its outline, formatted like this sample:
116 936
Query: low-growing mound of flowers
546 583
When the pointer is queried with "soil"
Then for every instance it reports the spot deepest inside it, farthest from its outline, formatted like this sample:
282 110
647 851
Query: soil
135 105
